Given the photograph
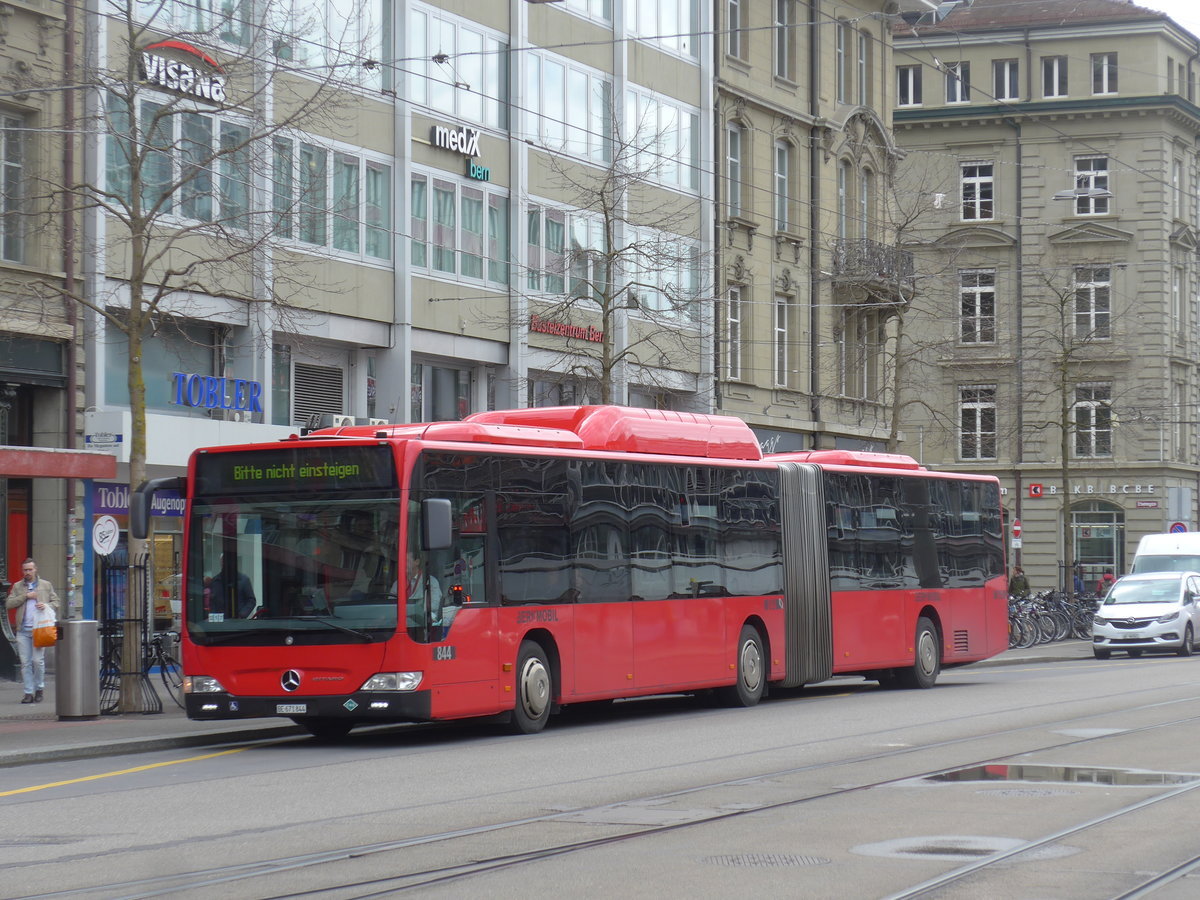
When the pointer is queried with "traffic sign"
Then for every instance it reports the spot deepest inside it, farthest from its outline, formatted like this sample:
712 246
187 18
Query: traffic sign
1016 528
1177 528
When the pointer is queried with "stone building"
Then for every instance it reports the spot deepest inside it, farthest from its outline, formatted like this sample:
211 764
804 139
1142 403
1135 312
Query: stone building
1051 161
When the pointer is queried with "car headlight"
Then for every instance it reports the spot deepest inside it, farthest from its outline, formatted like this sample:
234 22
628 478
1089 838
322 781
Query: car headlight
1097 620
202 684
393 681
1169 617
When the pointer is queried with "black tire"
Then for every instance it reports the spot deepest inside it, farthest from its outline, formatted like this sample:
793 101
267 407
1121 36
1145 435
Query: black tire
751 681
1134 654
534 689
1101 654
325 728
1185 648
172 678
927 662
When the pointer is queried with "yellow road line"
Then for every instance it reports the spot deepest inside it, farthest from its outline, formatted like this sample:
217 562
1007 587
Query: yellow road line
173 762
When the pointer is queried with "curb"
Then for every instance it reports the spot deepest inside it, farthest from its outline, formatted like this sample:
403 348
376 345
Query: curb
146 745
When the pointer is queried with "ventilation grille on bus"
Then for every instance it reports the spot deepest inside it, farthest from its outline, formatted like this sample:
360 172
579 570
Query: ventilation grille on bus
962 643
316 390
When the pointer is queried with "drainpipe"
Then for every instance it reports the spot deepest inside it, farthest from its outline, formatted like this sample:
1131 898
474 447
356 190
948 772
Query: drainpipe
814 218
68 262
718 321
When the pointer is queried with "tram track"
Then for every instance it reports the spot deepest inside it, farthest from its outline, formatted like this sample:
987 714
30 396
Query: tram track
215 877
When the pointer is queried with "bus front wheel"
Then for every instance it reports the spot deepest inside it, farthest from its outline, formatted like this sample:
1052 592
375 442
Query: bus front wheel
928 661
535 690
751 681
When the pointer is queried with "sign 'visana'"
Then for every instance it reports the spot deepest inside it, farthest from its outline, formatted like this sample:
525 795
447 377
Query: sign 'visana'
208 82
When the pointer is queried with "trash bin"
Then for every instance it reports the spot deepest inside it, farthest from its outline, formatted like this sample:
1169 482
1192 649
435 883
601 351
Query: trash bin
77 670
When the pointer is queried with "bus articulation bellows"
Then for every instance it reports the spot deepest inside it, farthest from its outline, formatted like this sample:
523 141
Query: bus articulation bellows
517 561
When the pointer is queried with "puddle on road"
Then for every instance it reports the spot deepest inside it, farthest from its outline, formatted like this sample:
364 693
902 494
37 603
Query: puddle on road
1063 775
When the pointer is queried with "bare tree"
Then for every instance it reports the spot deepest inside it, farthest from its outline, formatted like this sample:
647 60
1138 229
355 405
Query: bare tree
189 203
628 260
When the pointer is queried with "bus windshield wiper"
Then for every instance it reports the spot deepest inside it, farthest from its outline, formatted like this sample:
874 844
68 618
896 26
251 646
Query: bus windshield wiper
362 635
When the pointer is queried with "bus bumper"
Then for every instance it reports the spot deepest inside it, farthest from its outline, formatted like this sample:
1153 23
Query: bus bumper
363 706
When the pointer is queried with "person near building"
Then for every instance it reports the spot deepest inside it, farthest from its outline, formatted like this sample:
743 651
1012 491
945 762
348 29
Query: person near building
1018 584
1078 587
30 596
1105 582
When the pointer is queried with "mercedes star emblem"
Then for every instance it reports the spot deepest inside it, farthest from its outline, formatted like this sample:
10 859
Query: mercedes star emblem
290 680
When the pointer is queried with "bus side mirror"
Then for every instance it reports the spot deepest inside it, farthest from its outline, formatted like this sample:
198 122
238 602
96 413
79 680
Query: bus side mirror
437 532
140 500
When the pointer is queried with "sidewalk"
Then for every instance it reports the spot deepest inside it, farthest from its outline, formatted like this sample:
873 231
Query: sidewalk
32 732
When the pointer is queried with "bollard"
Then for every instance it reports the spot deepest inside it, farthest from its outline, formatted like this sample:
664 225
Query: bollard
77 670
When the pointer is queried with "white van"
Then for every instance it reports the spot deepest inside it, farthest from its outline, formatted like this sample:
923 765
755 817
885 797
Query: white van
1178 552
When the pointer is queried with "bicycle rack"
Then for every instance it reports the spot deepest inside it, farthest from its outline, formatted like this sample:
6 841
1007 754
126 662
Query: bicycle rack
125 685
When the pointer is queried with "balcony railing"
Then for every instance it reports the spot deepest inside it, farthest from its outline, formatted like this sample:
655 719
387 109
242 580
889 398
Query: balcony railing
870 261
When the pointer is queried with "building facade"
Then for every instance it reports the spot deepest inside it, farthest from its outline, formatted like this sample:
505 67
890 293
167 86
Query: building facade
298 216
1051 167
40 370
809 277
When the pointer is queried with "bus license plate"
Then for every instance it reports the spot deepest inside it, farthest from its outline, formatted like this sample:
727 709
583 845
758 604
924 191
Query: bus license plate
287 709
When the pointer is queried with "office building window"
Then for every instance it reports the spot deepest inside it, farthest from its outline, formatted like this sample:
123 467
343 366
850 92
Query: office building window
672 25
12 205
1093 420
1093 303
1006 84
958 82
783 185
1091 181
977 421
472 84
977 306
978 191
843 37
908 85
782 339
545 249
459 229
864 69
733 168
666 138
735 44
733 330
326 197
595 9
1054 76
1104 73
785 39
178 346
568 107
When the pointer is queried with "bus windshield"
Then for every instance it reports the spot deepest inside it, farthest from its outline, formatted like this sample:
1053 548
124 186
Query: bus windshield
307 570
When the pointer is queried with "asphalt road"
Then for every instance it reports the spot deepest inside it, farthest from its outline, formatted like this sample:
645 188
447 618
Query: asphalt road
1077 780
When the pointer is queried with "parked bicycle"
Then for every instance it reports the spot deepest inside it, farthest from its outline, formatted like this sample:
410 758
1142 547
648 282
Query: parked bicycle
160 654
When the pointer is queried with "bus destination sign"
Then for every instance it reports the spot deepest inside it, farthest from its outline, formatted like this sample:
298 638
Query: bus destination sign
295 470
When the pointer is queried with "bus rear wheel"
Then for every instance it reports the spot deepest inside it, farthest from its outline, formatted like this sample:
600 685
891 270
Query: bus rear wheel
535 690
928 658
751 681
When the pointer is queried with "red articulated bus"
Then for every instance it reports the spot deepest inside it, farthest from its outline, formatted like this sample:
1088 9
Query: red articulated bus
514 562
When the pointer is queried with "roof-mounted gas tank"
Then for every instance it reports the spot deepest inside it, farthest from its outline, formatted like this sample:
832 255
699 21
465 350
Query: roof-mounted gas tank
631 430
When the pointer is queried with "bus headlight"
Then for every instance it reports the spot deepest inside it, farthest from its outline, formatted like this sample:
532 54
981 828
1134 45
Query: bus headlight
202 684
393 681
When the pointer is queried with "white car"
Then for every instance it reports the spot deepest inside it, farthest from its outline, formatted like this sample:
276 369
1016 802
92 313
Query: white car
1149 611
